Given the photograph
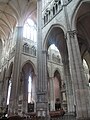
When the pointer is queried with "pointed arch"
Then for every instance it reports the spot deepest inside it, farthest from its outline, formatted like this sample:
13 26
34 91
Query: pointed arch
32 64
48 32
74 15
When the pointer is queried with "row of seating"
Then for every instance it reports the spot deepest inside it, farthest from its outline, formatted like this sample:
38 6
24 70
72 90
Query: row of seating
33 116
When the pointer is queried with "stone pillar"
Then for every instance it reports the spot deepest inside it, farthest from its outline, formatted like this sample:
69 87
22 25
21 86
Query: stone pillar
25 95
42 84
81 92
0 52
52 100
34 91
1 88
13 106
69 90
0 91
0 96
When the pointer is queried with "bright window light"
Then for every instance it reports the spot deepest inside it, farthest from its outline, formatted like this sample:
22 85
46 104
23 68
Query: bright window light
9 91
29 89
29 31
54 47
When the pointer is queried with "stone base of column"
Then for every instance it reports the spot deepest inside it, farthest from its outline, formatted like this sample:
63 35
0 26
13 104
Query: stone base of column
52 106
12 108
83 105
68 116
42 111
70 105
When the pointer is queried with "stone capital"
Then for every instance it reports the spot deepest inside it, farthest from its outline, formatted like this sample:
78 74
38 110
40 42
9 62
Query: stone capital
72 33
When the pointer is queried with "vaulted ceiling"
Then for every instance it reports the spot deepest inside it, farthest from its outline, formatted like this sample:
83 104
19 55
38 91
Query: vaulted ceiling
13 12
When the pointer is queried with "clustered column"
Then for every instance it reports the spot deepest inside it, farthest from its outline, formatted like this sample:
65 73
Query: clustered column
69 90
25 95
13 106
81 92
79 82
42 89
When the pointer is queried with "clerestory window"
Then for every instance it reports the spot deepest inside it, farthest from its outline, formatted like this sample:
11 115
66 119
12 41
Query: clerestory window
30 31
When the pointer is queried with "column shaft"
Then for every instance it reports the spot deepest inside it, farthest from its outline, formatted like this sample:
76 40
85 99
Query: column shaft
69 90
52 101
13 106
25 95
42 89
80 90
81 93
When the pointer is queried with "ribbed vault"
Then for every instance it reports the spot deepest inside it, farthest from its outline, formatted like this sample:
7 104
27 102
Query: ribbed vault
13 12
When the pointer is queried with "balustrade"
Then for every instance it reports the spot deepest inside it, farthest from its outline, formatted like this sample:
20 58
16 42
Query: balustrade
29 50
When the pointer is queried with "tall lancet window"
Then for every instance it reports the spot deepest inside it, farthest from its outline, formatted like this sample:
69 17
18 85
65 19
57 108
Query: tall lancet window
29 89
86 70
89 82
9 91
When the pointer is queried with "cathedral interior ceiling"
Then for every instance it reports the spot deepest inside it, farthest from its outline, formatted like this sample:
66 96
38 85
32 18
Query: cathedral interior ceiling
12 12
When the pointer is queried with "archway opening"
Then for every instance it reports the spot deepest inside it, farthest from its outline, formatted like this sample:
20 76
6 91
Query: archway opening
27 92
83 31
54 54
57 57
57 90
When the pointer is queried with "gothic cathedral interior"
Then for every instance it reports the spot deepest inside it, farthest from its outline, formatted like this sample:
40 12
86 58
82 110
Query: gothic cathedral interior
45 59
